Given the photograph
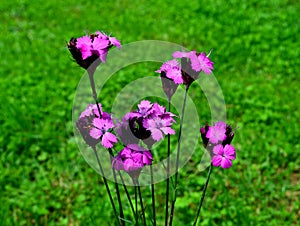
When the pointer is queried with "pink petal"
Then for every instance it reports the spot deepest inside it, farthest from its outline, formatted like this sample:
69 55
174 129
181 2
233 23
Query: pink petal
101 35
100 43
126 153
229 152
156 134
95 133
196 66
226 163
103 57
167 130
108 140
86 53
216 160
115 42
218 149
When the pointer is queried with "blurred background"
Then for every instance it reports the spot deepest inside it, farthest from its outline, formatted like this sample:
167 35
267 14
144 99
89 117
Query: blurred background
44 180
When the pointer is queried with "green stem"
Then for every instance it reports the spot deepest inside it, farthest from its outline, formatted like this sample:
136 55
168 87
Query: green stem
203 194
117 190
127 193
177 157
136 206
91 72
141 203
106 184
153 196
168 175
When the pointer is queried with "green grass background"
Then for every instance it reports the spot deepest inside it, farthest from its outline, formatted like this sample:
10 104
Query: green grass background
44 180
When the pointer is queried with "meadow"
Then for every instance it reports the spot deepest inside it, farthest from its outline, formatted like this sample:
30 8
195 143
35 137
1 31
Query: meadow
44 180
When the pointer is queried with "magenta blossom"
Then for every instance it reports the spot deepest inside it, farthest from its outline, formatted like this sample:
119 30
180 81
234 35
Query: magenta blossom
132 159
149 121
158 127
144 110
202 63
172 71
85 122
101 129
223 156
217 132
85 50
92 110
199 62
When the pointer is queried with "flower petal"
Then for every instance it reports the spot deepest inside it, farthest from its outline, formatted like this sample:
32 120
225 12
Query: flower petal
167 130
95 133
218 149
156 134
226 163
108 140
216 160
229 152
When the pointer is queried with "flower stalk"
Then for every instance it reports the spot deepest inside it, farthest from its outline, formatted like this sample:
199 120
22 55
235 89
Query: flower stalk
203 195
105 183
178 156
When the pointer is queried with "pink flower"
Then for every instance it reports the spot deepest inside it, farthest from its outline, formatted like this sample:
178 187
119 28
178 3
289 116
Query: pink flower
223 156
199 62
85 50
101 129
92 110
217 132
84 44
172 70
144 110
202 63
132 159
158 127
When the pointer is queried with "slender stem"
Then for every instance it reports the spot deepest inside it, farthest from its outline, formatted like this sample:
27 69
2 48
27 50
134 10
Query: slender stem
106 184
117 190
177 157
203 194
91 72
127 193
141 203
153 196
168 175
136 206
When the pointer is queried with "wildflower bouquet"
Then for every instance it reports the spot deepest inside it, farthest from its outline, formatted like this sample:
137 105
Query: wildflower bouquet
130 140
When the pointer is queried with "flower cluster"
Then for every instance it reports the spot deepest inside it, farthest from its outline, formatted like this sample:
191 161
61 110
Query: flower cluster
85 50
137 131
218 138
185 72
149 123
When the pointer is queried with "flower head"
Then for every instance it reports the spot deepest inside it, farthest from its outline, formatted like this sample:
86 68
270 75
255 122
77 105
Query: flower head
149 123
100 130
85 50
95 129
172 70
158 127
217 132
192 64
223 156
132 159
203 63
220 132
